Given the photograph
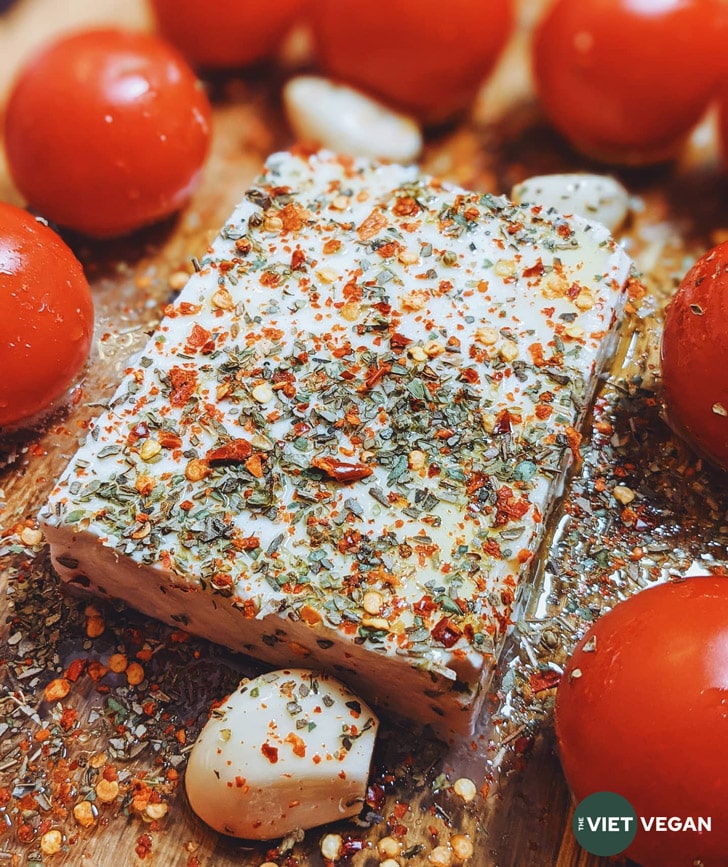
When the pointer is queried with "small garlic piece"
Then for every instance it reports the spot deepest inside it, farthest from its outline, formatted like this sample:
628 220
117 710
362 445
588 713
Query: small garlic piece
345 120
594 197
290 749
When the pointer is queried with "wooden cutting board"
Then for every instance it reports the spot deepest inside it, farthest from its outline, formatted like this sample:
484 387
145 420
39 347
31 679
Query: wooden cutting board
52 755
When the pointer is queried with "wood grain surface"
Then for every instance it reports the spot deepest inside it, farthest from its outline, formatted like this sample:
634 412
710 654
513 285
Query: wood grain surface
523 818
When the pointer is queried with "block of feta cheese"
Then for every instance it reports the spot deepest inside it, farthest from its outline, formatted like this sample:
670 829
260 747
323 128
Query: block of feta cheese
340 446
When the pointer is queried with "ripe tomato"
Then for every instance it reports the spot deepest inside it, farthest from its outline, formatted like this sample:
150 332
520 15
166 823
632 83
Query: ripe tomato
626 80
427 57
225 33
642 710
695 356
46 316
107 131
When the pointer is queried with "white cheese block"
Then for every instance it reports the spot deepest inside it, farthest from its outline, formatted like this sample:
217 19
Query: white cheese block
290 749
341 444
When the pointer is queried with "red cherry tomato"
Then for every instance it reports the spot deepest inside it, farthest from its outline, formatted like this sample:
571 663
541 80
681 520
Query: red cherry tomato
107 131
642 710
626 80
46 317
426 57
225 33
695 356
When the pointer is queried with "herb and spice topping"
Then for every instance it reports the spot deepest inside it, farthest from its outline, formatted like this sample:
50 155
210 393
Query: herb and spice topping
372 386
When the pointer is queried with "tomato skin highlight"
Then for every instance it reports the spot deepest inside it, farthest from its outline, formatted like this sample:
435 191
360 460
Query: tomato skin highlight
46 317
644 714
223 34
426 58
107 131
625 81
694 356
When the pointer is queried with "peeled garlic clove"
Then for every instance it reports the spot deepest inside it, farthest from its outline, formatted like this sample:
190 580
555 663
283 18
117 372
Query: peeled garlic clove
594 197
290 749
339 118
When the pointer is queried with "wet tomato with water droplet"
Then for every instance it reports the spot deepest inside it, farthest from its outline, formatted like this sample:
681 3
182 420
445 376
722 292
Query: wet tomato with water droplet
695 356
46 317
107 131
642 711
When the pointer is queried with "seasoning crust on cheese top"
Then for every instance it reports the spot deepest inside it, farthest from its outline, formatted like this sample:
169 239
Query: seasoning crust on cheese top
341 443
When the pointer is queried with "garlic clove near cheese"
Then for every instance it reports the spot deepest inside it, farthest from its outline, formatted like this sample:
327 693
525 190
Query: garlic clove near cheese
345 120
290 749
594 197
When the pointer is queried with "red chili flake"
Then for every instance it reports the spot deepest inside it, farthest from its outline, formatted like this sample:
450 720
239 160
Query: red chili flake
198 339
285 381
375 374
270 279
399 341
492 548
375 796
574 438
69 717
271 753
502 422
406 206
537 355
96 670
222 581
476 481
400 810
234 452
246 543
109 773
75 669
508 506
340 471
446 632
297 743
535 270
169 440
352 292
386 251
25 833
544 680
254 465
184 383
351 846
292 216
471 375
424 606
138 432
373 224
564 230
298 259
